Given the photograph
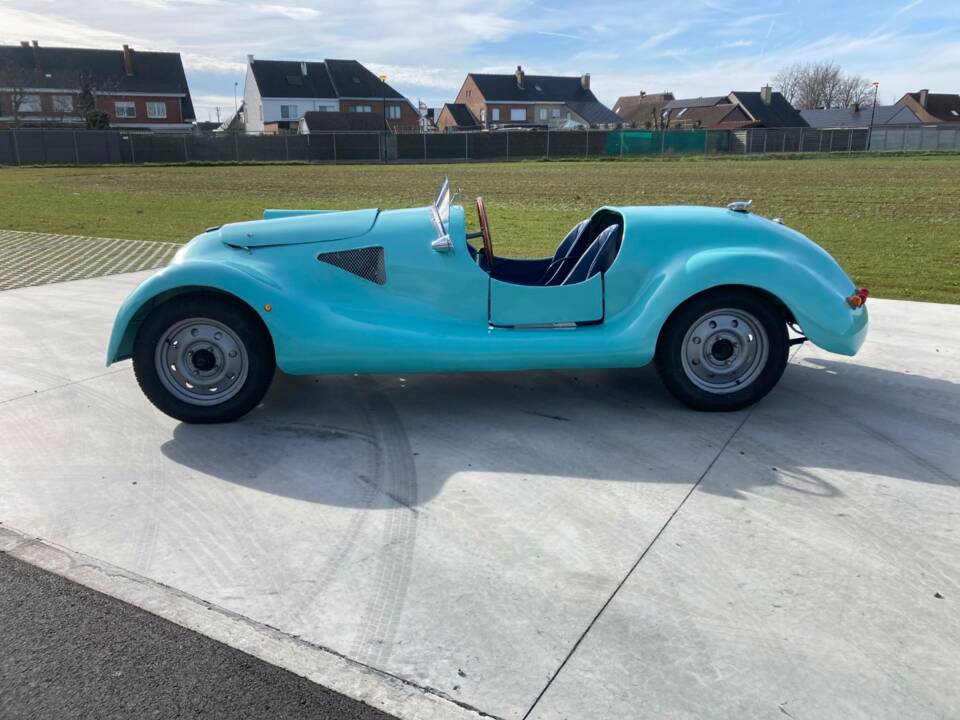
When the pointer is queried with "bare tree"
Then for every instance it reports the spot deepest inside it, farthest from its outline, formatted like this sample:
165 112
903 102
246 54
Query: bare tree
15 84
822 85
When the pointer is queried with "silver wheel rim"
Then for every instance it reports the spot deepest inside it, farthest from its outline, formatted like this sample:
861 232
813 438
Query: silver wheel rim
201 361
725 351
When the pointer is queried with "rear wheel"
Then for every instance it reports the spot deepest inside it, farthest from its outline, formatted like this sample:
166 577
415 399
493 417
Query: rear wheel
723 350
203 359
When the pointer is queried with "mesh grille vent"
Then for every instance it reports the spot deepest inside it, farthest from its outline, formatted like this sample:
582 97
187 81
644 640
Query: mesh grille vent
366 262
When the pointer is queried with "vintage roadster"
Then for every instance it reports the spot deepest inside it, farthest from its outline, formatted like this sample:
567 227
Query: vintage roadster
707 294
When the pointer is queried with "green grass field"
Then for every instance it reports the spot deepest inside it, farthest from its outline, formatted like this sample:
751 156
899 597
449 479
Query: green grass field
892 221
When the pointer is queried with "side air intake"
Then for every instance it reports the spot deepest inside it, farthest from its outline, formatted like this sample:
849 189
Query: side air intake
365 262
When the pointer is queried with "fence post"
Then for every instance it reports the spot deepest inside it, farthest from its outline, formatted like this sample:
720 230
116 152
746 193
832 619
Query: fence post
621 142
334 137
586 143
548 141
466 146
43 146
76 150
765 133
508 144
663 141
850 141
133 154
800 142
424 146
16 145
706 143
783 145
186 154
286 149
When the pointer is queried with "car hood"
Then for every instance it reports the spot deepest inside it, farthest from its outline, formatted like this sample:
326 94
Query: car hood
300 229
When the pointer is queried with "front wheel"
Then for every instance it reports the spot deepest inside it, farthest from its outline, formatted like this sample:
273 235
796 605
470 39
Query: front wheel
203 359
723 350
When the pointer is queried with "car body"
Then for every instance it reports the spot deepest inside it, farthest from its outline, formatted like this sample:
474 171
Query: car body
389 291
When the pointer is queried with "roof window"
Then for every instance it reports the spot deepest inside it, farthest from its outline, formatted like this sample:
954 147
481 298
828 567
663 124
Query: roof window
294 80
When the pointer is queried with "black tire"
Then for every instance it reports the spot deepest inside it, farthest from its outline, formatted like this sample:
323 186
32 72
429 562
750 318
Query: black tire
241 321
766 371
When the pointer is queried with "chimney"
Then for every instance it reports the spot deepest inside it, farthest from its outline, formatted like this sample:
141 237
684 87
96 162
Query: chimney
25 43
36 55
585 81
250 59
519 75
303 69
128 60
856 106
643 93
923 98
766 94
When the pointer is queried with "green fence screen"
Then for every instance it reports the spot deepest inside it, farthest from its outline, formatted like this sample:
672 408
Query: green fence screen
655 142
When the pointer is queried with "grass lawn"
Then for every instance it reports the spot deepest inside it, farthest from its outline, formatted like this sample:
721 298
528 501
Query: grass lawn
892 221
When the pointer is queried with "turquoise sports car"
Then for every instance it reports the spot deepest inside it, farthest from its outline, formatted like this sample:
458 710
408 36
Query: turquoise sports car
707 294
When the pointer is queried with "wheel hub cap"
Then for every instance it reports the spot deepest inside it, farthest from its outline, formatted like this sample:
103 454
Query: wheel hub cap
201 361
724 351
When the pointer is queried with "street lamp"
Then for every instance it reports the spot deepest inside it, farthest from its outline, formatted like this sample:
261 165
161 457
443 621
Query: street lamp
873 114
383 107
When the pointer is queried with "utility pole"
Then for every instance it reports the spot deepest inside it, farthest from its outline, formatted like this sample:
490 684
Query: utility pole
873 114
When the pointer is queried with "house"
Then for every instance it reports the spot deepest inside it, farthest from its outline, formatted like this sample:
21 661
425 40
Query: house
457 117
278 93
533 100
932 108
56 85
707 113
739 109
859 117
321 121
644 110
767 109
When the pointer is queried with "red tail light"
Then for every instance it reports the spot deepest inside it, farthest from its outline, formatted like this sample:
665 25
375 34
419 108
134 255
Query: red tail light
859 298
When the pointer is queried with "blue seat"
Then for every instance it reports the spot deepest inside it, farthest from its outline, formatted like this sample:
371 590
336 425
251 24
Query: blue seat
597 257
565 256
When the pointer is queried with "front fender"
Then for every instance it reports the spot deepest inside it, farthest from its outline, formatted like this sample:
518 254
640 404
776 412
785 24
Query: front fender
243 281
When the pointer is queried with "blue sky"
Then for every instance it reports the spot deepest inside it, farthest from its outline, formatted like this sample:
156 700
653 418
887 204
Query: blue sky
691 47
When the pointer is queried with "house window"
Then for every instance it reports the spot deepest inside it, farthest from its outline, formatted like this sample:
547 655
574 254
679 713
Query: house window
157 110
30 103
393 112
555 113
360 108
62 103
495 114
288 112
124 109
518 114
543 113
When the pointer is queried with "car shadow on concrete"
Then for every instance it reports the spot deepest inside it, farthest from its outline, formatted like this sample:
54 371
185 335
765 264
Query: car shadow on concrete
383 441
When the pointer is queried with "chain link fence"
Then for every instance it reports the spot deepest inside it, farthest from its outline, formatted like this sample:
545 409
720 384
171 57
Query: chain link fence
34 146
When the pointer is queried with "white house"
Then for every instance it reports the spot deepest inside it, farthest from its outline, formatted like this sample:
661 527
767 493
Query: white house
278 93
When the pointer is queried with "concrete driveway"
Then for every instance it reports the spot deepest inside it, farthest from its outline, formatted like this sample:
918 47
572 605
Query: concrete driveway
544 545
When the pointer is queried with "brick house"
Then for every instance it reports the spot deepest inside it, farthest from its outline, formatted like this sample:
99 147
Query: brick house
277 95
50 85
932 108
739 109
644 110
531 100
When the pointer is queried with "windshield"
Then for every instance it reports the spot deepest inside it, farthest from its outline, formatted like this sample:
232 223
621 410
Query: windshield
440 210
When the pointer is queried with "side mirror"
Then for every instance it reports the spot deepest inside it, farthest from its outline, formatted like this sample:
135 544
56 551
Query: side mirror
442 244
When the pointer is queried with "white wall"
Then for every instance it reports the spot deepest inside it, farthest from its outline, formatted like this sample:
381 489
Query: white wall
271 107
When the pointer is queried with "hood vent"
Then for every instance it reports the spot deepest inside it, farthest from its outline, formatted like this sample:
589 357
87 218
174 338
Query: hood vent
363 262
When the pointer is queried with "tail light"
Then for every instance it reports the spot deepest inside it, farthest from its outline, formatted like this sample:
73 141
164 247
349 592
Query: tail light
859 298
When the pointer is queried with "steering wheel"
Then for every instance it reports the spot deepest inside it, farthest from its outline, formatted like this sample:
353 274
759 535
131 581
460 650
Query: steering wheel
485 231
